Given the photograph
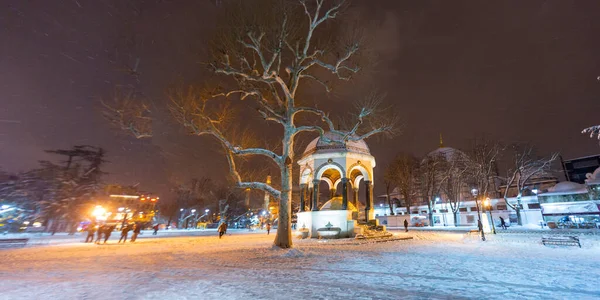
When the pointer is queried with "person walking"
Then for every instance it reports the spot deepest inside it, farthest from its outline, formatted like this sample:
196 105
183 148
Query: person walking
108 231
136 231
222 229
124 232
502 223
405 225
155 227
268 228
91 231
99 233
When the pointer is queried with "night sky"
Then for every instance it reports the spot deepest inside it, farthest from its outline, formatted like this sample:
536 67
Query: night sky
510 70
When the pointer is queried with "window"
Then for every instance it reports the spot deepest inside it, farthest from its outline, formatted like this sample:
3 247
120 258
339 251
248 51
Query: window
564 198
533 205
415 212
470 219
424 212
462 209
501 207
443 210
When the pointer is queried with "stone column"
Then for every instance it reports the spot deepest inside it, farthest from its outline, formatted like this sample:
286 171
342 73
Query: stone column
345 193
302 197
315 199
368 200
331 193
355 190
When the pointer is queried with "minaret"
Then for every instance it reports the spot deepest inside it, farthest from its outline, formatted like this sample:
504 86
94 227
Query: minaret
266 204
441 141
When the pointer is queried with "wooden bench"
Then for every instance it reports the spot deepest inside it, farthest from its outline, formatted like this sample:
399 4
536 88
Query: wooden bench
13 242
561 240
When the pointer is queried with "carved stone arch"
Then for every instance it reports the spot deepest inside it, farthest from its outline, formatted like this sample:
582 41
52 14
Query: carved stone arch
358 166
357 180
306 175
329 165
328 181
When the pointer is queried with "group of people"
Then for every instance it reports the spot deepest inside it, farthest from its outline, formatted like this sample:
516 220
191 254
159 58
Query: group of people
105 231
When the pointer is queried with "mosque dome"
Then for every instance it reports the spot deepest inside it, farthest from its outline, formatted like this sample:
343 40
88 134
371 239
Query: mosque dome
446 152
336 204
320 146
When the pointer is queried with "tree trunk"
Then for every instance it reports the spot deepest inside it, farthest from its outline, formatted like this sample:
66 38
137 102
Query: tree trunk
455 218
283 239
390 203
518 209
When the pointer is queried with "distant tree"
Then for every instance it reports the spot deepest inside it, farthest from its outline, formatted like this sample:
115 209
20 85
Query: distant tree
388 189
402 173
525 167
429 179
482 167
71 188
455 176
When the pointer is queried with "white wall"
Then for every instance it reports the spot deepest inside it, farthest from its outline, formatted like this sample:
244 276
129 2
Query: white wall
314 220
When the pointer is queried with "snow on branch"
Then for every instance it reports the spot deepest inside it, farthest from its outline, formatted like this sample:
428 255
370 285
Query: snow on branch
193 110
526 167
369 115
592 131
128 113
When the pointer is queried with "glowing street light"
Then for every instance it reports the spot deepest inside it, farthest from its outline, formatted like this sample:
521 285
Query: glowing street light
181 209
488 204
5 206
193 210
206 210
475 193
99 212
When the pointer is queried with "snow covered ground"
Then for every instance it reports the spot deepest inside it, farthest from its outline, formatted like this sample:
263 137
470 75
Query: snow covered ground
433 265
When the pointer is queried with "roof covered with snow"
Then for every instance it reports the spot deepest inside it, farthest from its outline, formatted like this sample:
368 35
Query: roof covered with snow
320 145
565 188
447 152
593 178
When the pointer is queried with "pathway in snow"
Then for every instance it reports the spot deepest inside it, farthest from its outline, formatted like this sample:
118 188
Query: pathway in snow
245 266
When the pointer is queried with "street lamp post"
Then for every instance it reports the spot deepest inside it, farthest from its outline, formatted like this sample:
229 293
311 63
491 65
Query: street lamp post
195 218
475 192
489 204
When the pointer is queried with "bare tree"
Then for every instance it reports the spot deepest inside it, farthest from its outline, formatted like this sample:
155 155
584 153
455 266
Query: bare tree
388 188
482 164
402 173
429 182
455 176
270 53
525 166
127 111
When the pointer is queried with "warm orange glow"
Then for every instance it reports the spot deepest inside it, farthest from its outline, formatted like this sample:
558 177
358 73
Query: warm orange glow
143 199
